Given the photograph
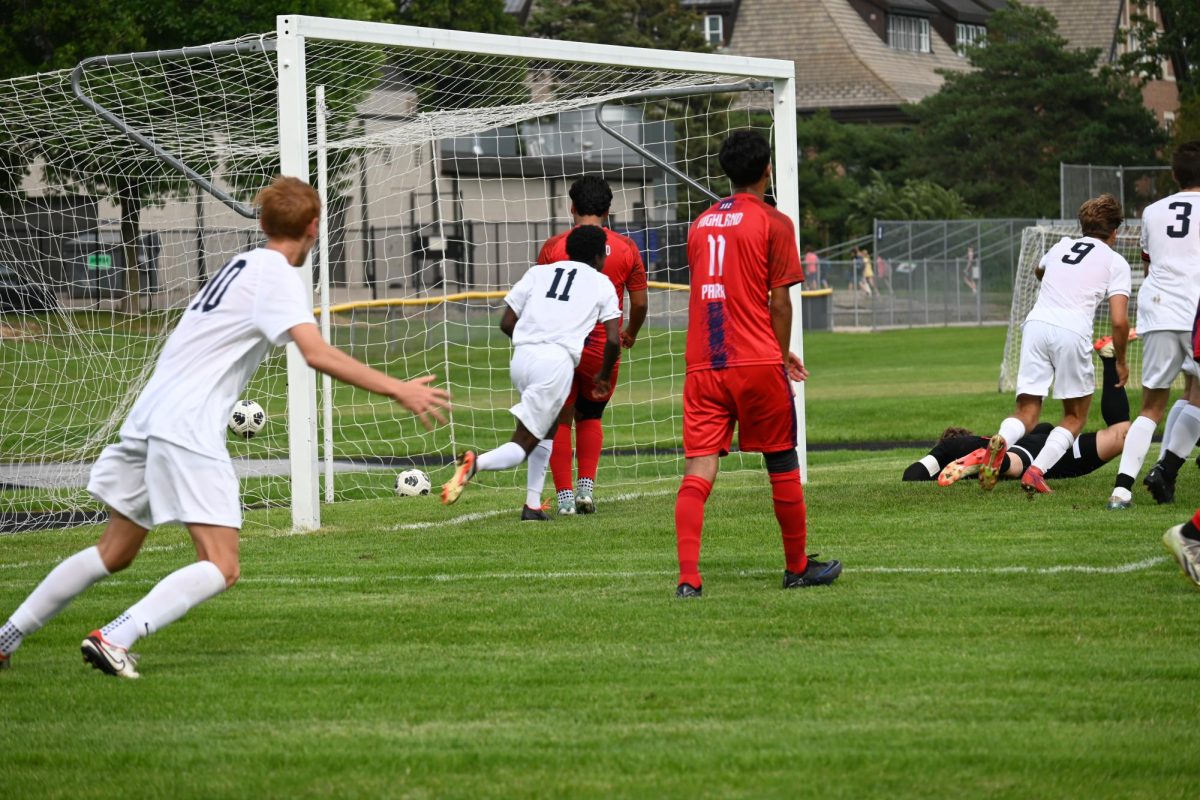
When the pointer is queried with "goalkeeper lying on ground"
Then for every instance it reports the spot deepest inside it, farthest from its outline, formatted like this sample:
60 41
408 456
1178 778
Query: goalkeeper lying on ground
959 453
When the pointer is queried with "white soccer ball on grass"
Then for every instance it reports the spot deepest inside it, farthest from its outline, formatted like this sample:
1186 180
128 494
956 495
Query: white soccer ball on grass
247 418
412 483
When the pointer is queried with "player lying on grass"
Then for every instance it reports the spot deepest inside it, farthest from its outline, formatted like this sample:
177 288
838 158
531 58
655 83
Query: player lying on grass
549 313
743 261
171 465
1167 303
1075 275
959 453
591 198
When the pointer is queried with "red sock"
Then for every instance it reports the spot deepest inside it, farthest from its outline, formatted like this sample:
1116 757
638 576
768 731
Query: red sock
689 521
788 497
560 459
589 438
1196 519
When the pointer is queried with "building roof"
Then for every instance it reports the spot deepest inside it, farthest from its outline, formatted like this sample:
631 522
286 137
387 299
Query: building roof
840 62
1085 23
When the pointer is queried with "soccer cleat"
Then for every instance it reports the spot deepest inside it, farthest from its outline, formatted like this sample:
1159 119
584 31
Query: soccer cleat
1117 504
1034 482
685 590
566 507
107 657
1104 347
584 504
1186 552
1160 485
817 573
993 463
962 468
534 515
453 488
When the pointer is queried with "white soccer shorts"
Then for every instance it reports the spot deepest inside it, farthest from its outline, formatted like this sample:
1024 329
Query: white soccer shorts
1054 355
542 373
154 482
1164 355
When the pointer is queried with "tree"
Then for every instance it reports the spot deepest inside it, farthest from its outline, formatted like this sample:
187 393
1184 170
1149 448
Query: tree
837 160
915 199
997 134
662 24
1176 41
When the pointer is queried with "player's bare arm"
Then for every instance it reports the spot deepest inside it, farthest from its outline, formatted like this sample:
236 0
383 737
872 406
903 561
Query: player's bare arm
612 351
781 324
423 400
508 323
639 302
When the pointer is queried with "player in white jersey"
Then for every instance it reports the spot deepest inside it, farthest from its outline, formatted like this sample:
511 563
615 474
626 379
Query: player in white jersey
170 464
1056 340
1166 313
549 314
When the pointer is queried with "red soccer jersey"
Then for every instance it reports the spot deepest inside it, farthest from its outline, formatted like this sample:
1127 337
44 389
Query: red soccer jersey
623 267
738 251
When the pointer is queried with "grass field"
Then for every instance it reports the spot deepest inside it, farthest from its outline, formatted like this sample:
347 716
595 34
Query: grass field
976 645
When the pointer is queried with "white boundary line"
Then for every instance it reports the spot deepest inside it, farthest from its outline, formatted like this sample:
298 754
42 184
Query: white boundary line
284 580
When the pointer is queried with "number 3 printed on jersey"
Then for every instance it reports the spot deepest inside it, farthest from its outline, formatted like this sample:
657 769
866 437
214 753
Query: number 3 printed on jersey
1184 218
716 255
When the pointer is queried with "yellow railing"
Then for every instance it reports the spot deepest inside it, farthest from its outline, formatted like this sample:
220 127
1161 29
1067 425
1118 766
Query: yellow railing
460 296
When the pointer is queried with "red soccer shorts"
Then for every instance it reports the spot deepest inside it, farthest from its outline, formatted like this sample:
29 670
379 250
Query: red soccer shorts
590 363
757 398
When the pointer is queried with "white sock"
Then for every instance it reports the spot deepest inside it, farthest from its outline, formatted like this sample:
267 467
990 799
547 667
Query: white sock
535 479
506 456
1011 430
1057 444
1185 433
1169 425
64 583
170 599
1137 444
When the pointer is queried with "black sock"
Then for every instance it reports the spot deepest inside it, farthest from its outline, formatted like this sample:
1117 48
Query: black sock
1114 402
1124 481
1189 531
1171 464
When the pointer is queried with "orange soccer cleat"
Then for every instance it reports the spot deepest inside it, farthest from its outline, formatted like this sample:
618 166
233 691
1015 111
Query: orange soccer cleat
963 467
993 463
1034 482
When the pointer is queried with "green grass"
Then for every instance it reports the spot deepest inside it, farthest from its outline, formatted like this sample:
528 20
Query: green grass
501 659
403 651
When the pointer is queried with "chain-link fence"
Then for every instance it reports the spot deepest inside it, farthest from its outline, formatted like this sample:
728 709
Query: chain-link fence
923 273
1136 187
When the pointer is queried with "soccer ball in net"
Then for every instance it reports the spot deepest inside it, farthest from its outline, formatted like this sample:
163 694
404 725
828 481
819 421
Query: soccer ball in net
247 418
412 483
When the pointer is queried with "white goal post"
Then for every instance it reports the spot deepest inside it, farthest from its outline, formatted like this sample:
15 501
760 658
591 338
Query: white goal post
295 32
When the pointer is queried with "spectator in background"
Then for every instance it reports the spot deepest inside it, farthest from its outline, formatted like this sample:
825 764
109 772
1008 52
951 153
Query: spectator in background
812 268
868 274
970 273
883 273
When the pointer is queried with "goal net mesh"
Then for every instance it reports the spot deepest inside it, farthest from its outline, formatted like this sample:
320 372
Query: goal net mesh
446 173
1035 242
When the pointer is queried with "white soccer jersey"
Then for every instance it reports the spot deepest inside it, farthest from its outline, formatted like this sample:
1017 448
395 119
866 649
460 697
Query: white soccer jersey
1079 274
1171 239
228 327
560 304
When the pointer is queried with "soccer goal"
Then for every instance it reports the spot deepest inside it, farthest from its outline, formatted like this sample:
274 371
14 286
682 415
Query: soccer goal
445 160
1035 241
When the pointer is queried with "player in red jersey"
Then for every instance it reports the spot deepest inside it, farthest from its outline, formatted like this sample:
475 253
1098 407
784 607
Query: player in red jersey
743 260
591 198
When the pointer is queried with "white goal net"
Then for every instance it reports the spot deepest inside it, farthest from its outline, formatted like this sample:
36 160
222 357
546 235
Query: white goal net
1035 241
447 163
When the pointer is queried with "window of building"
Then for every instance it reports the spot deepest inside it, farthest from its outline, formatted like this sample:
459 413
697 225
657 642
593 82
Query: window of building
965 34
908 33
714 29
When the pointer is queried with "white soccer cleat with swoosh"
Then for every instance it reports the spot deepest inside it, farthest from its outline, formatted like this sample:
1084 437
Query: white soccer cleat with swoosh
107 657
